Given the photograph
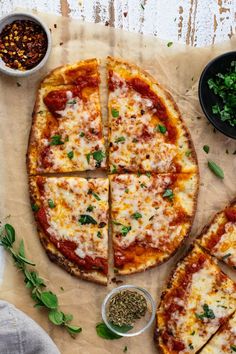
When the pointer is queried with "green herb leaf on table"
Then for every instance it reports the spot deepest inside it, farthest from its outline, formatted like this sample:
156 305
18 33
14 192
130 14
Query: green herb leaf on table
206 148
42 298
169 44
104 332
217 170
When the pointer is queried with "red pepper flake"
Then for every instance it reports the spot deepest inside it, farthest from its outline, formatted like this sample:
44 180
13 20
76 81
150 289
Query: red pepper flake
23 44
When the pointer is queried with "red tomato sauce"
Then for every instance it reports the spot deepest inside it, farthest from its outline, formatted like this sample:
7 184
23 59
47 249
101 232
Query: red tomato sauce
215 238
230 213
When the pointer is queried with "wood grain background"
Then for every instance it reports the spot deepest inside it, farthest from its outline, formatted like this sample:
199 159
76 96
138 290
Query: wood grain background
195 22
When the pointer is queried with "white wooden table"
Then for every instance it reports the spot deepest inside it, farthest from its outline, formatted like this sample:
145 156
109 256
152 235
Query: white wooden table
195 22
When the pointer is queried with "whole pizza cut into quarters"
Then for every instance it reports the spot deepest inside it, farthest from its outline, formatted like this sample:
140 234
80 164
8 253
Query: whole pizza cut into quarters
198 300
148 154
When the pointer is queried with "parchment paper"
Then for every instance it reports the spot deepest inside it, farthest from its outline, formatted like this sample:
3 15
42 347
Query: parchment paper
177 68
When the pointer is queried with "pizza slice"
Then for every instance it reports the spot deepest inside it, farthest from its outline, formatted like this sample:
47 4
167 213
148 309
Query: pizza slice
198 299
224 341
66 133
219 236
147 132
151 216
72 219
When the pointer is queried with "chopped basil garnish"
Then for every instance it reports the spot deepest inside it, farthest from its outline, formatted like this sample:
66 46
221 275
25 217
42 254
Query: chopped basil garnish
125 230
233 347
191 346
143 185
206 148
148 174
136 215
161 128
192 334
72 101
35 207
125 349
120 139
226 256
99 234
188 153
114 113
88 157
90 208
98 155
216 169
87 219
116 223
114 169
70 154
126 190
56 140
208 313
135 140
51 203
82 134
139 173
168 194
90 191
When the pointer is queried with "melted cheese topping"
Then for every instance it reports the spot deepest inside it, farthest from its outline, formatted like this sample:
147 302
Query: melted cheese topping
80 128
205 288
138 202
135 120
72 198
225 248
224 341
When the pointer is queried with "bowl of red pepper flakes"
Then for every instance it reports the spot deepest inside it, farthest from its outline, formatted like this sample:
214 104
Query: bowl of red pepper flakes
25 44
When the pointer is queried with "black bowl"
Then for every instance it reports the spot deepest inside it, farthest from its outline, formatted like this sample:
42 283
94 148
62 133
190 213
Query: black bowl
207 97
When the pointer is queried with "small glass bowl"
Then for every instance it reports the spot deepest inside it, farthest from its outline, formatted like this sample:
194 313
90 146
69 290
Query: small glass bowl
141 324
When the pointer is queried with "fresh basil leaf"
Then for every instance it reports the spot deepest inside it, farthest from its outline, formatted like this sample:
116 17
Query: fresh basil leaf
216 169
136 215
87 219
168 194
125 230
114 169
56 140
207 313
206 148
188 153
99 234
67 317
71 102
233 347
98 155
148 174
90 191
73 330
161 128
56 317
70 154
49 299
90 208
10 232
51 203
104 332
114 113
126 190
82 134
88 157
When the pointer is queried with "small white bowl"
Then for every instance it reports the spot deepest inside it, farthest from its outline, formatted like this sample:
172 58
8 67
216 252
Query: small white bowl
140 325
25 16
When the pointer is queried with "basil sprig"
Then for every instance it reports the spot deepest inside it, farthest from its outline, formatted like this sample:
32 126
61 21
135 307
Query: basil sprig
104 332
43 298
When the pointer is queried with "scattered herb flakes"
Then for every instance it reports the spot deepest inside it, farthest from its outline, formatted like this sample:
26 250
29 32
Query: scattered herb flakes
216 169
56 140
98 155
143 185
121 139
114 169
169 44
35 207
223 86
135 140
161 128
126 190
90 208
191 346
88 157
82 134
51 203
72 102
90 191
206 148
125 349
142 6
99 234
18 84
136 216
192 334
226 256
207 313
114 113
62 289
226 151
70 154
86 219
233 347
168 194
148 174
188 153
